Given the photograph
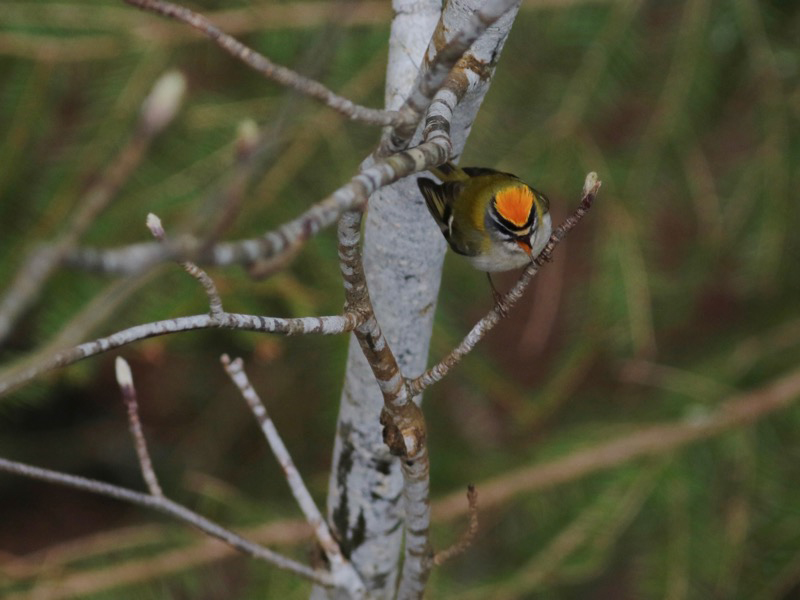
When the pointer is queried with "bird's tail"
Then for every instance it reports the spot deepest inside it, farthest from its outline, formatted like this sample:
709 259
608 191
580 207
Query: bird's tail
449 172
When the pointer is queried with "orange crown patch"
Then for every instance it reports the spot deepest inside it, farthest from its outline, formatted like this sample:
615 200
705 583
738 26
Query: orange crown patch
515 204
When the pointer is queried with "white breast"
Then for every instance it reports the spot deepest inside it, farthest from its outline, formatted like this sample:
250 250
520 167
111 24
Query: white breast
505 256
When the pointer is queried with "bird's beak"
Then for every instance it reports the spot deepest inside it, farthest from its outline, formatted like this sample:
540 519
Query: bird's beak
526 247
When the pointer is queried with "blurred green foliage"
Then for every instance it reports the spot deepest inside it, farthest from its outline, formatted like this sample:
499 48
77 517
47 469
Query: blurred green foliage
681 288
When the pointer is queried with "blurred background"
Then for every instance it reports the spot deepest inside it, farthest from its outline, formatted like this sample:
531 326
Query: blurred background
679 292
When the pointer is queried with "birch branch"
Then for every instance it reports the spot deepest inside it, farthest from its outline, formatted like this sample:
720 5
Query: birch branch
651 440
403 422
266 67
482 327
210 288
404 427
343 573
173 509
441 59
249 145
136 258
125 381
156 499
158 109
418 558
14 378
404 257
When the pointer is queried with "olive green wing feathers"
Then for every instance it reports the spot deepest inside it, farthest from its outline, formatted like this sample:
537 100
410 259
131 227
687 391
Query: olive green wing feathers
439 202
440 199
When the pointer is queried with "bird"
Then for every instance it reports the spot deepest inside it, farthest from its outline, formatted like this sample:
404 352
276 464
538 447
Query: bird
494 219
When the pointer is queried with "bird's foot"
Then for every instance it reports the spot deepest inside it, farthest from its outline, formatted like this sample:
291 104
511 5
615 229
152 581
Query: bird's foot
499 302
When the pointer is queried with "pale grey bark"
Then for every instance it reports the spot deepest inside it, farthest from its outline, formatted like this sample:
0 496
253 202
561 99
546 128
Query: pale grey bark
403 254
172 509
16 376
342 572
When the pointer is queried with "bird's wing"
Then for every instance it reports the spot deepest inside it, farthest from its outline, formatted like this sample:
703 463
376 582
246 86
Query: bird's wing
480 171
438 201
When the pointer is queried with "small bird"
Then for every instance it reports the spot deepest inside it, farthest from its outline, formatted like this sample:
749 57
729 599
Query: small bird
494 219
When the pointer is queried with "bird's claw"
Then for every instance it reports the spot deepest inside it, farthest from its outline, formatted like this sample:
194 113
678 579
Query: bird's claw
498 298
500 305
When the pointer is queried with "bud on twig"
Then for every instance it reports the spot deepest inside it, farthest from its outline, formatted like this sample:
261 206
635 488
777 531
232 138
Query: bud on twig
589 183
124 376
155 227
246 138
163 102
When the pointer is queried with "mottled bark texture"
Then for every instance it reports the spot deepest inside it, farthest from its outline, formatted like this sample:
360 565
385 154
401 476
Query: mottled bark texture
403 254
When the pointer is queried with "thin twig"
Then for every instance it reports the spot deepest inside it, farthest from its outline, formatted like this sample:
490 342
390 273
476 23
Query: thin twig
125 381
15 377
266 67
650 440
343 572
136 258
214 300
249 145
168 507
465 541
158 109
482 327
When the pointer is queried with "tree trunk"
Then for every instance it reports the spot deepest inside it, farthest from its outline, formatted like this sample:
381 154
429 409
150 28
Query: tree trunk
403 254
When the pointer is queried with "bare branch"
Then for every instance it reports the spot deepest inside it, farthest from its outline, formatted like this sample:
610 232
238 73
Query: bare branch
250 143
13 378
266 67
125 381
136 258
482 327
439 116
405 416
465 541
158 109
343 572
433 74
167 507
417 562
214 301
380 173
288 238
403 422
404 429
657 439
